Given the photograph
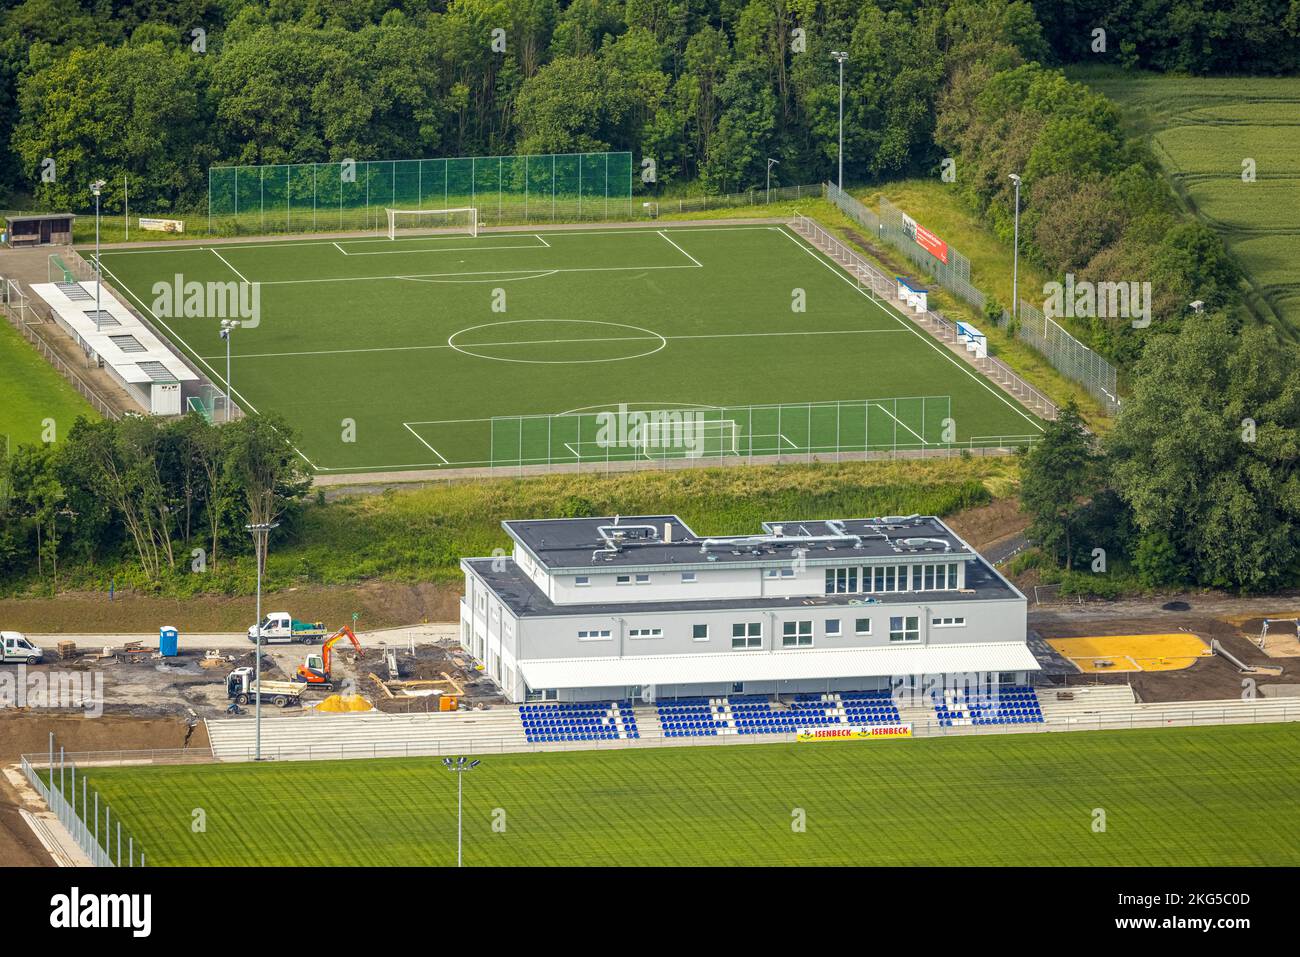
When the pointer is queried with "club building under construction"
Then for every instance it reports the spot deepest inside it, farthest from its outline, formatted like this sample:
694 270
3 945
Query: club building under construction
643 608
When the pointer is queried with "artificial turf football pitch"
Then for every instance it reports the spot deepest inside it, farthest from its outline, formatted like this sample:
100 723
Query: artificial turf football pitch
444 351
1170 796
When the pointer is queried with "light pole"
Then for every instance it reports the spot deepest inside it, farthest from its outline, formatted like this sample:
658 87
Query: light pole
97 187
227 327
840 56
260 532
1015 254
458 767
770 163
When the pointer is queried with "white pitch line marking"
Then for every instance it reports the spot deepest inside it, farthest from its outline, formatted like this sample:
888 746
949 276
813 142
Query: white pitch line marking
241 276
680 250
544 342
425 444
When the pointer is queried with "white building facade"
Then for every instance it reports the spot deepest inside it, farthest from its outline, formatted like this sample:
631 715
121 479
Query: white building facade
643 608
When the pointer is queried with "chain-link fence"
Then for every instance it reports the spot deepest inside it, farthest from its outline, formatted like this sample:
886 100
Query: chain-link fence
354 195
1066 354
66 789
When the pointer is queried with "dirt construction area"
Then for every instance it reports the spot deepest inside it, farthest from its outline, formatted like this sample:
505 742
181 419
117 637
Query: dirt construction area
1235 623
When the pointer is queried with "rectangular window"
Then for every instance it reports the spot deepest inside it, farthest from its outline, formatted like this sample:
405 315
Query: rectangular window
952 622
952 577
688 578
880 578
832 627
905 628
645 633
699 632
796 634
929 577
643 579
623 580
862 626
594 634
747 634
830 581
582 580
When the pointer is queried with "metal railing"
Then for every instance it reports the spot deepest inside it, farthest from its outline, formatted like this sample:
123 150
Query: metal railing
753 197
106 847
1063 351
882 287
1190 714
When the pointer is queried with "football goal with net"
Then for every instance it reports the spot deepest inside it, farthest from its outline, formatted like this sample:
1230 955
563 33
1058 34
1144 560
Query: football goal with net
416 222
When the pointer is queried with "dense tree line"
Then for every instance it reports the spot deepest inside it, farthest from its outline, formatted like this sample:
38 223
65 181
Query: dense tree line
1093 205
170 496
1180 36
1199 482
709 88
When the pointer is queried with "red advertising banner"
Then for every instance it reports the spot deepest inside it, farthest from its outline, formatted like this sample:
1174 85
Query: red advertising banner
927 240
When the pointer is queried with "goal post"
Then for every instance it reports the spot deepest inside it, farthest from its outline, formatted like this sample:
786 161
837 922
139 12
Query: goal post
461 219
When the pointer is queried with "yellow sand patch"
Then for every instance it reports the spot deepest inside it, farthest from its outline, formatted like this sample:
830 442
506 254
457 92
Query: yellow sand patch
1099 654
344 702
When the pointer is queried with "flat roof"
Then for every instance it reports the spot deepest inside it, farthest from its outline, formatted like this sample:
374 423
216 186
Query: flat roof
777 665
38 217
122 339
521 595
666 540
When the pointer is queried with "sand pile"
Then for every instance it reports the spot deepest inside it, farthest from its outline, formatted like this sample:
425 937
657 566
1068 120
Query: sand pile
344 702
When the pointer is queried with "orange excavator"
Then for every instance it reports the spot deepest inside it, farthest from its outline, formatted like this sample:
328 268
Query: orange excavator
316 669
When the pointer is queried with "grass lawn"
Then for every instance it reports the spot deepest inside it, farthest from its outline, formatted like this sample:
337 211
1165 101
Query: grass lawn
1202 130
421 343
31 392
1207 796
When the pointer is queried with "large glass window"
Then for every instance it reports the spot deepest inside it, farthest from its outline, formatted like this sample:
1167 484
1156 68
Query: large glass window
905 628
747 634
797 634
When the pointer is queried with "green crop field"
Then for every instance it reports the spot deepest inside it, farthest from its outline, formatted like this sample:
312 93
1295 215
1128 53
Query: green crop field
31 393
1172 796
446 350
1203 130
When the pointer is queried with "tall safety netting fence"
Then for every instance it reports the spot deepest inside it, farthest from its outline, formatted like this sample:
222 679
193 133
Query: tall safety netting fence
354 195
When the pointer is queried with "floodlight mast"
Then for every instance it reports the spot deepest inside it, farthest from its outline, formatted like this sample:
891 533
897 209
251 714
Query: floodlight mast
459 766
840 56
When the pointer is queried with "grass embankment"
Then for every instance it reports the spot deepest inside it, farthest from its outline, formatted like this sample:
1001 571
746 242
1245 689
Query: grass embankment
32 394
1171 796
938 208
420 535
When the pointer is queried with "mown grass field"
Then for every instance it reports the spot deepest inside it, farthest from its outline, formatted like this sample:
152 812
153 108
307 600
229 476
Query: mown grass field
409 353
31 392
1202 130
1209 796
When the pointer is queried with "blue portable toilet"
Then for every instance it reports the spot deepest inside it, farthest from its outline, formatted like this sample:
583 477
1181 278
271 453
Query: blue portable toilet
168 639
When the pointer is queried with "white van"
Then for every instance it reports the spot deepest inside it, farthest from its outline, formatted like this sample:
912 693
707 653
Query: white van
14 647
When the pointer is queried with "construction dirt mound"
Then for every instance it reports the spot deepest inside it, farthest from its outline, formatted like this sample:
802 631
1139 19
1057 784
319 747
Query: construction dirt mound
339 703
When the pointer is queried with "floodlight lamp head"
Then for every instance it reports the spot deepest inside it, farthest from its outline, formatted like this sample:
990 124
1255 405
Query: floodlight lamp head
474 763
446 762
1197 305
840 55
1015 178
97 186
